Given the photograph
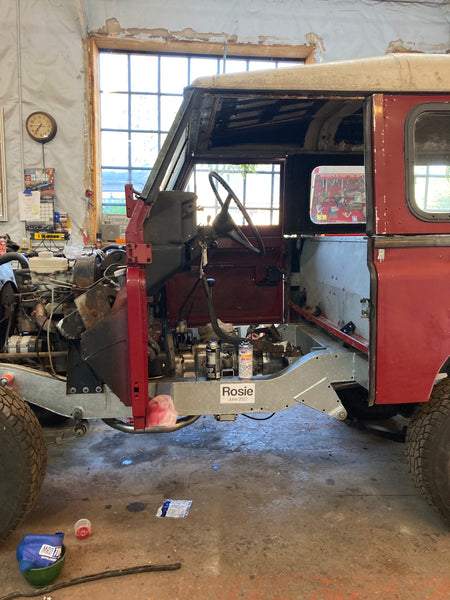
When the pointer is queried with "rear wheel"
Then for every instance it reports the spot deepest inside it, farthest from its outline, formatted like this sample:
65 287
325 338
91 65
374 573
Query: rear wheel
23 459
428 449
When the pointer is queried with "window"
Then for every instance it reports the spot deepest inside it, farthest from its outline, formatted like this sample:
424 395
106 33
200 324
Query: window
139 98
256 186
428 156
338 195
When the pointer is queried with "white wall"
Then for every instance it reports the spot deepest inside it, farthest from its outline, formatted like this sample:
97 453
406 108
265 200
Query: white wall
348 28
50 75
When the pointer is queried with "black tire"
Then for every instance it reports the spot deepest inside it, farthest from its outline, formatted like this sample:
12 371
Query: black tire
428 449
23 460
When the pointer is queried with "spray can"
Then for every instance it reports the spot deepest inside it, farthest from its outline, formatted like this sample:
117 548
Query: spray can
245 360
212 360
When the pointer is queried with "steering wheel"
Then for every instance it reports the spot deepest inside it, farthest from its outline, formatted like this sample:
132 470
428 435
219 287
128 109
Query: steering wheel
223 224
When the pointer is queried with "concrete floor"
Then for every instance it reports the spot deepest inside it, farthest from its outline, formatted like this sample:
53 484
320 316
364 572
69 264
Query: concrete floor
297 507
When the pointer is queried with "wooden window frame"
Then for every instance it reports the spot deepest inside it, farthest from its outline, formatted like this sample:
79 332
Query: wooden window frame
98 42
3 198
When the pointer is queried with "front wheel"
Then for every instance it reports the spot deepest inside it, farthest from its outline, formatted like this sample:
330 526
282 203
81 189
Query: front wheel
23 459
428 449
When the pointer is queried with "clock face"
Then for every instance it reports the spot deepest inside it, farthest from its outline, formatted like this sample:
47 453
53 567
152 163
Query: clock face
41 127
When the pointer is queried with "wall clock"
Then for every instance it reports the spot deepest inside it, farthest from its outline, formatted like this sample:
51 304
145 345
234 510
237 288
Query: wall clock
41 127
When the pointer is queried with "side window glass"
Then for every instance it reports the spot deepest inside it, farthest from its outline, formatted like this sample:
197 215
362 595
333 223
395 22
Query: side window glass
338 195
428 160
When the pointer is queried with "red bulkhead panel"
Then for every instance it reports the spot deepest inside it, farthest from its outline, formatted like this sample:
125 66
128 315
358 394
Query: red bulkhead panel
246 290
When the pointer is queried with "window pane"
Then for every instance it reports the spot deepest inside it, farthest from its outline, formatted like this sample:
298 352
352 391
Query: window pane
113 72
439 170
144 112
268 168
438 194
114 180
200 67
114 111
233 65
144 73
287 65
144 149
169 108
276 193
139 178
259 190
173 74
114 149
261 65
116 208
432 193
262 217
113 190
234 179
432 161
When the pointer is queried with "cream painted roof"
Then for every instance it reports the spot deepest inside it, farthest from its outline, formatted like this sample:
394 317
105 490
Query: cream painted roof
390 73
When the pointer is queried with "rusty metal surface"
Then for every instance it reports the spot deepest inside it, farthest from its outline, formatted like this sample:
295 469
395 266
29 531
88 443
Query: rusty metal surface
94 305
105 348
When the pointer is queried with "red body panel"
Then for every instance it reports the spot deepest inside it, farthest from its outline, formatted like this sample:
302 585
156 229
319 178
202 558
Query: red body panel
138 343
413 321
412 282
238 295
392 215
138 254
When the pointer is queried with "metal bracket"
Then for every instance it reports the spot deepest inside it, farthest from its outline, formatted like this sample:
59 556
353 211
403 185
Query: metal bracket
139 253
131 196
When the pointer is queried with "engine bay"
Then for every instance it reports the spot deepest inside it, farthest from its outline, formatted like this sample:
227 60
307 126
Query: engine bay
48 310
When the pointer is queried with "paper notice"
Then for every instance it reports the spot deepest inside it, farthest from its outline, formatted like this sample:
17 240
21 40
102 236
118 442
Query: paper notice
30 206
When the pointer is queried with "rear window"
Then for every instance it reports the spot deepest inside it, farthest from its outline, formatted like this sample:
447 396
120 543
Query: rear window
427 138
338 195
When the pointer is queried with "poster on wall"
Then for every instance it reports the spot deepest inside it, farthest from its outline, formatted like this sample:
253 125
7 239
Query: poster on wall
41 181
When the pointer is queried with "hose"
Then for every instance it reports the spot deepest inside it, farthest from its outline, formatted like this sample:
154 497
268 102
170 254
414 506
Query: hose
112 247
93 577
128 427
9 256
